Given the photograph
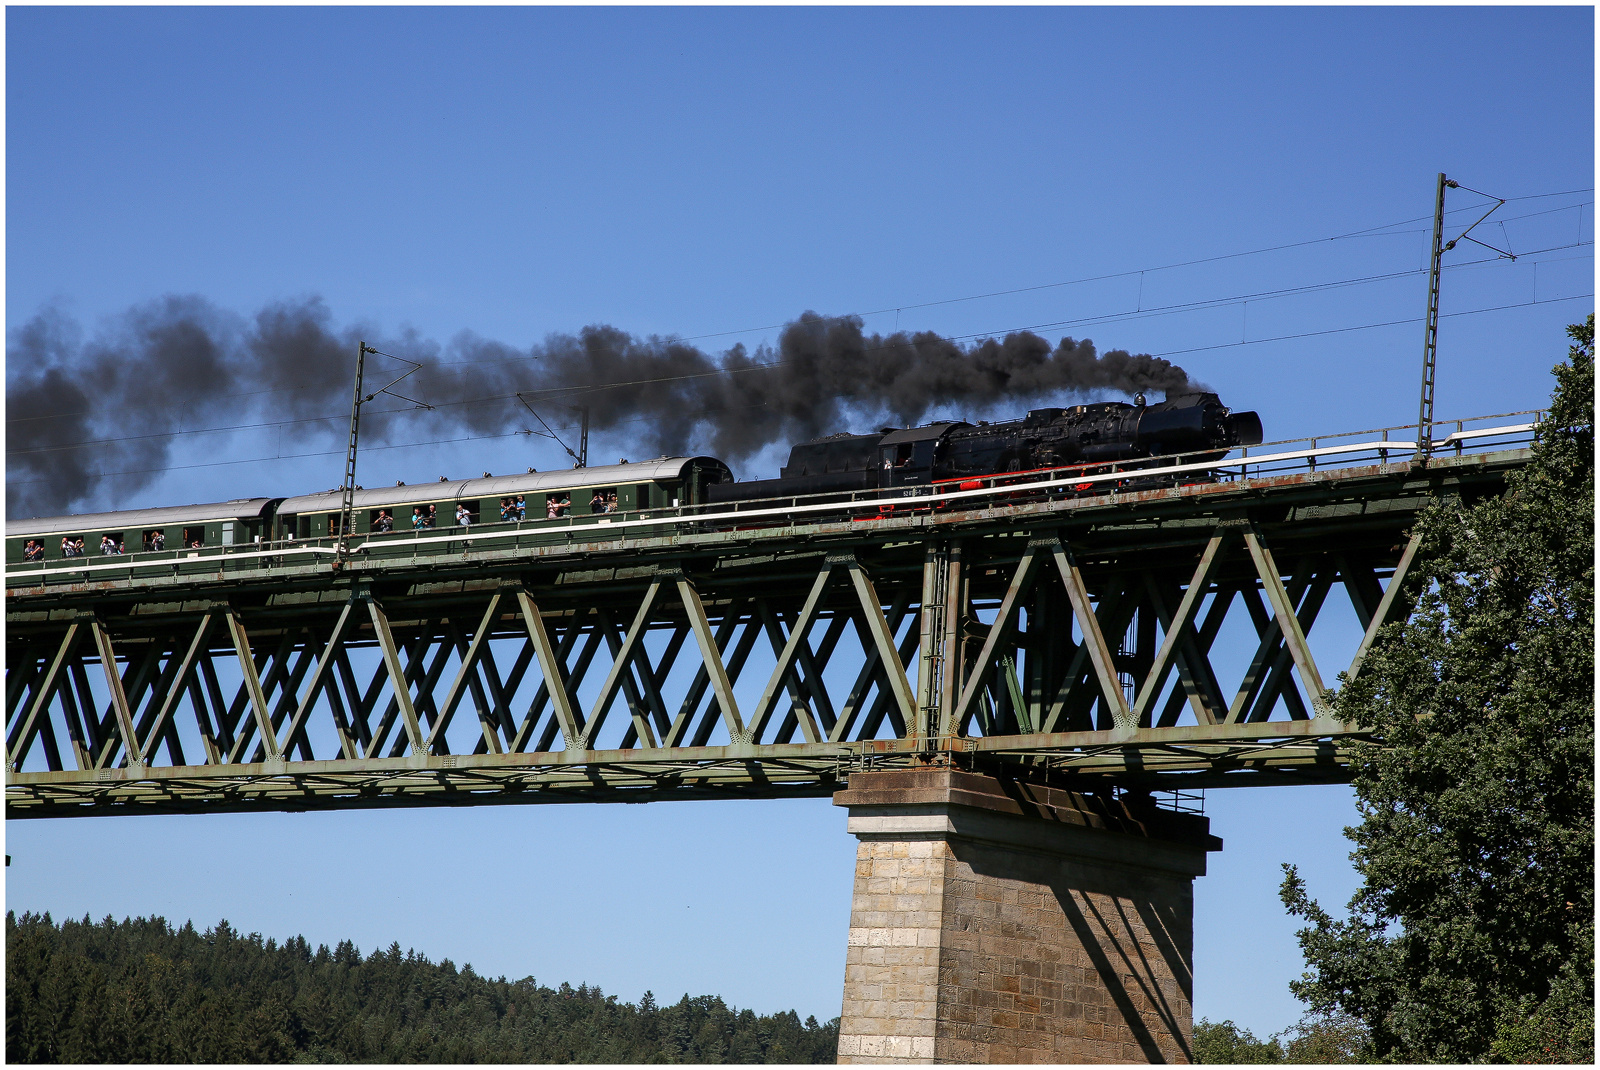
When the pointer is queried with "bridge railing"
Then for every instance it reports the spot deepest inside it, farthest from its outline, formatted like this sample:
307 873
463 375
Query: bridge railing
1382 445
1505 430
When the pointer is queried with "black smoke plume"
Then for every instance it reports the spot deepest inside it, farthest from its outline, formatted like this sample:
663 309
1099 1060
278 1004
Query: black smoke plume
90 422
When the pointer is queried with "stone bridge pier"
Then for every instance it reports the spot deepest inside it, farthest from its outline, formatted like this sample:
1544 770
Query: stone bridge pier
1004 921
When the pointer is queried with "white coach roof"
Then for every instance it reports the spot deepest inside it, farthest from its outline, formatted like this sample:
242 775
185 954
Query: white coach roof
666 469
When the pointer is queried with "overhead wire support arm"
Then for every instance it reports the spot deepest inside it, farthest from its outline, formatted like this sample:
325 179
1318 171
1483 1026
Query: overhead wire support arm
415 366
581 455
1498 201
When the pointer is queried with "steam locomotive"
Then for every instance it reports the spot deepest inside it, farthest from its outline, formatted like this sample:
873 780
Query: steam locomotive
1197 426
1191 428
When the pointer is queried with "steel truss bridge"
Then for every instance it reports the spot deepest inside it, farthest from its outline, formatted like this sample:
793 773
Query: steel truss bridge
755 654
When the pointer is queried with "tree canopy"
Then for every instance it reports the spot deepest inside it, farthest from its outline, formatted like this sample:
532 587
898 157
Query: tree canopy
140 991
1224 1043
1316 1039
1471 937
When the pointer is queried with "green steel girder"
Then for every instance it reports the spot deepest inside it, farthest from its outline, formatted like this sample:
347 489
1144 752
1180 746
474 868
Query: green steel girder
1072 637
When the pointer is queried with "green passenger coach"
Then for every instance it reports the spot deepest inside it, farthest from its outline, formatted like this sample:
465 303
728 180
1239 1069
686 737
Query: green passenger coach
532 496
169 530
568 499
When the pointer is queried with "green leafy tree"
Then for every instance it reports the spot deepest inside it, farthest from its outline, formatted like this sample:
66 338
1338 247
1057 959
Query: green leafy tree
1472 934
1226 1044
1321 1039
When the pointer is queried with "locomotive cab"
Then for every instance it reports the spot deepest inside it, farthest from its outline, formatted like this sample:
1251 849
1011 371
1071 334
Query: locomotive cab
906 458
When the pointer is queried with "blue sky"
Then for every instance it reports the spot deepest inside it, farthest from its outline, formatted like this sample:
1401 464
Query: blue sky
711 173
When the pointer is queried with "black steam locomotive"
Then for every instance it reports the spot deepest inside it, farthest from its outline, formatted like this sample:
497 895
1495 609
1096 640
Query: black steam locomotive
1196 428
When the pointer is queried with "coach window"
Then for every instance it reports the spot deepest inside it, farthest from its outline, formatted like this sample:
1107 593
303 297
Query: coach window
194 538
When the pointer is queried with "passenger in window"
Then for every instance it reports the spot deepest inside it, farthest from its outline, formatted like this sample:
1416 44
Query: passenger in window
195 544
521 507
33 551
551 508
158 541
611 502
463 518
418 520
433 516
384 524
507 513
597 504
108 546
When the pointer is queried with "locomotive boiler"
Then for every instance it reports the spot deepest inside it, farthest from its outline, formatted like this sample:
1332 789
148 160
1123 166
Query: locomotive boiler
1189 428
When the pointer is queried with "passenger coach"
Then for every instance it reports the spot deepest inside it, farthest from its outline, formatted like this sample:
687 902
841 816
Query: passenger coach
560 498
659 484
179 527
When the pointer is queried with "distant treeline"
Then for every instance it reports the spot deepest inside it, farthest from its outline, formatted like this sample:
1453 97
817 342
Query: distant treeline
1320 1039
140 991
